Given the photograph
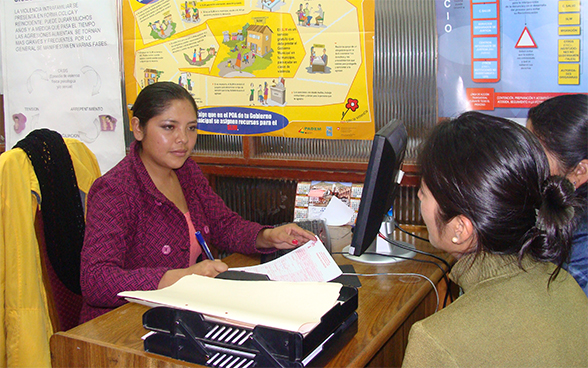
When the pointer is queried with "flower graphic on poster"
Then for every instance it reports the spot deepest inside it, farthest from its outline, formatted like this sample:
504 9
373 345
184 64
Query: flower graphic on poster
352 104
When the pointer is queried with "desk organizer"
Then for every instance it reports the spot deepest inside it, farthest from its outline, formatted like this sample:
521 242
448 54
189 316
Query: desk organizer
188 336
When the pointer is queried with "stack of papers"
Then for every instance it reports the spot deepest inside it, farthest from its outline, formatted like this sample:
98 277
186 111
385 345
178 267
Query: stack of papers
296 301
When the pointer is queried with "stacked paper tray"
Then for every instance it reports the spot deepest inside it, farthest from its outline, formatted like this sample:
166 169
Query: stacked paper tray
189 336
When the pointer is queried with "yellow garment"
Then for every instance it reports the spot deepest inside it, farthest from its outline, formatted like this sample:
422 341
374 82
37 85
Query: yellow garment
24 315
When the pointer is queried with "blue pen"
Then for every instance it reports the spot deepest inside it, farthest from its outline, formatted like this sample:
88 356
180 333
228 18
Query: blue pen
204 245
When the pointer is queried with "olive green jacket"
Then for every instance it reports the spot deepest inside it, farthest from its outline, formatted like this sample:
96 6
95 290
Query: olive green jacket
506 317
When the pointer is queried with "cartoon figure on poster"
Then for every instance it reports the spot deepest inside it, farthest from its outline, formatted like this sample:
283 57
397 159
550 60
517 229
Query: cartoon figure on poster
273 94
185 80
278 92
200 56
243 47
190 13
251 94
306 14
320 17
162 29
318 62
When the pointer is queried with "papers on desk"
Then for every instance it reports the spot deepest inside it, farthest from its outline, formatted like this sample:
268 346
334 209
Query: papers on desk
337 213
292 306
309 262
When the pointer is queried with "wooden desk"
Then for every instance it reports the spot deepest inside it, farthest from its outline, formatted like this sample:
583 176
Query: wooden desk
388 306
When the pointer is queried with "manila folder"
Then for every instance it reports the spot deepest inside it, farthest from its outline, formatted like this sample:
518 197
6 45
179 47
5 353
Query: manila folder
292 306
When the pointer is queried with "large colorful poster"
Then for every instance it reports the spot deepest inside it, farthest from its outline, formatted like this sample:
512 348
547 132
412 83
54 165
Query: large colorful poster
503 56
62 71
259 67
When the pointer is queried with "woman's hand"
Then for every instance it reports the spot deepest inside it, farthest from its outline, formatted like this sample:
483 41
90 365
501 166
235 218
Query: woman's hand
204 268
283 237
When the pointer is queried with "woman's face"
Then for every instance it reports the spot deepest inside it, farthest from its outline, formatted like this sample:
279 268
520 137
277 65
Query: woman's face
167 139
439 239
554 166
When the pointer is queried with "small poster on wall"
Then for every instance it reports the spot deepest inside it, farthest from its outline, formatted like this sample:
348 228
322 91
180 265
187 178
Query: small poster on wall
313 197
65 73
504 57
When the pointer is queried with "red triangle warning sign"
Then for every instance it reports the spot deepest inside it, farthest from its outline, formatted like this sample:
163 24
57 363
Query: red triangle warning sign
526 40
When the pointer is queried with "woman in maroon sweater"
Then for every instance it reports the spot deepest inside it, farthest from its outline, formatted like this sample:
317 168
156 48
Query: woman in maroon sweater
143 213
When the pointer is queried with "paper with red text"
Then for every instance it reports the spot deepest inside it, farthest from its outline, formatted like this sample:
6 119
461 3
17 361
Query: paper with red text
309 262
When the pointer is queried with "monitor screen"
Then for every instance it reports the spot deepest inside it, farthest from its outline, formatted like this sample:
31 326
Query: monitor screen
380 185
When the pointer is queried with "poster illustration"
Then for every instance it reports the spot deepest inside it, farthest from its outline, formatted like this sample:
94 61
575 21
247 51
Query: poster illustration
259 67
62 71
502 57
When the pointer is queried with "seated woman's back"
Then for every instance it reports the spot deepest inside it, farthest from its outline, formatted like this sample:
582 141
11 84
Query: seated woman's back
487 197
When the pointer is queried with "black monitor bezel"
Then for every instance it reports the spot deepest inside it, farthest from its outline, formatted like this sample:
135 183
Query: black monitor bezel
380 185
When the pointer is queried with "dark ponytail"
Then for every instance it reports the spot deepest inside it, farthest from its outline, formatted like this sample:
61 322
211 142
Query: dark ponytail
550 239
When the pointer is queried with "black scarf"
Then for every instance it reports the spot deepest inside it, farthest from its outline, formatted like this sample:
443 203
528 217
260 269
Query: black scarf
61 206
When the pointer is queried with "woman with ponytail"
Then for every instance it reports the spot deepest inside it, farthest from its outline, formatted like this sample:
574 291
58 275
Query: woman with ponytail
488 198
561 124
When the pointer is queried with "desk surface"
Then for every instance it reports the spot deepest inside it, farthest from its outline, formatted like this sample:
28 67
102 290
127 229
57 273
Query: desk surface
388 306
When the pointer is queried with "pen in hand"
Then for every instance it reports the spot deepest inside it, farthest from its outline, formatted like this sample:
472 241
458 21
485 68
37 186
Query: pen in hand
204 245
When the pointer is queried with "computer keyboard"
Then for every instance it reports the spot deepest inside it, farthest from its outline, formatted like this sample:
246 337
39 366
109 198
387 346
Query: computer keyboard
316 226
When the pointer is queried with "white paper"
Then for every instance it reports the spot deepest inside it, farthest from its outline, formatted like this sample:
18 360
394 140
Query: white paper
337 213
309 262
293 306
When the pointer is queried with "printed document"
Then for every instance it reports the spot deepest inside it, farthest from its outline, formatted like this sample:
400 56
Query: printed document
309 262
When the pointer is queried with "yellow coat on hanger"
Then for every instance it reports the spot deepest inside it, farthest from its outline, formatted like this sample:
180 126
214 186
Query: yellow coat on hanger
25 325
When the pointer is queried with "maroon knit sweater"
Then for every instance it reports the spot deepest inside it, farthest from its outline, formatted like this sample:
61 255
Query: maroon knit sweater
134 234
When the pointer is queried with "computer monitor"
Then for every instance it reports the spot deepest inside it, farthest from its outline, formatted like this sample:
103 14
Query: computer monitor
379 191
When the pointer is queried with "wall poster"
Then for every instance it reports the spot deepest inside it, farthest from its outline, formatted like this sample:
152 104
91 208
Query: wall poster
504 56
299 69
62 71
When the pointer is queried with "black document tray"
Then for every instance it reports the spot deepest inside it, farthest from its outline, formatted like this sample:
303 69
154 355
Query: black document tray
187 336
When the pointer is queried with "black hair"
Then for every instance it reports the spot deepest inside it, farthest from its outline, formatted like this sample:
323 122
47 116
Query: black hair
495 172
156 97
561 124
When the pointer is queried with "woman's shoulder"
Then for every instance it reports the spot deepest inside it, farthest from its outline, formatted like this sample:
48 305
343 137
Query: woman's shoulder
121 177
120 171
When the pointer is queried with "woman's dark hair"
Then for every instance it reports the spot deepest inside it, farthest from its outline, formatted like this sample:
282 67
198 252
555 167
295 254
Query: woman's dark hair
561 124
495 172
156 97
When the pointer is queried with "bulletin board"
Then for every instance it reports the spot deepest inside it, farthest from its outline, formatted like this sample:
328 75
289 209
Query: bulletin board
260 67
